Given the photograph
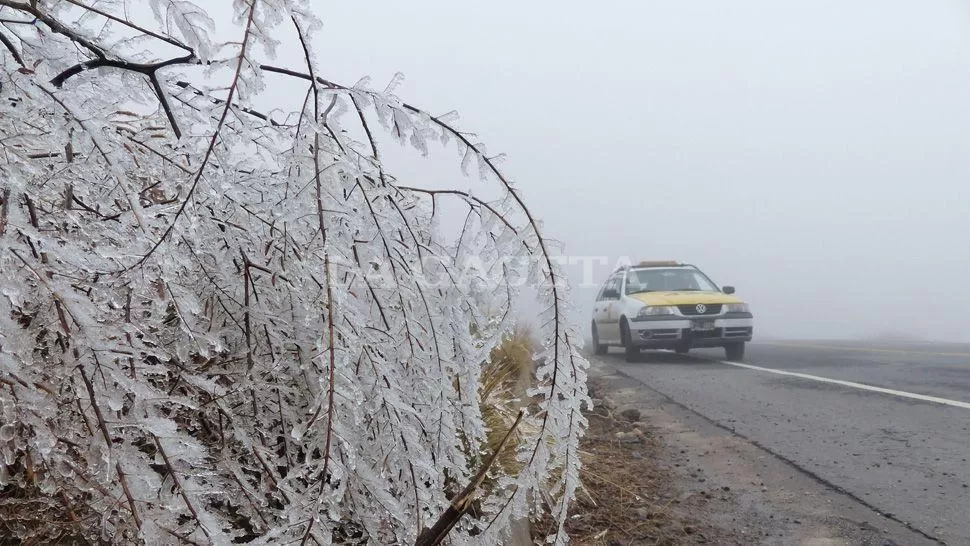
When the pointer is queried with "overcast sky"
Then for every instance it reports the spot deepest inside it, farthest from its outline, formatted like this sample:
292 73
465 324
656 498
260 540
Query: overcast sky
814 154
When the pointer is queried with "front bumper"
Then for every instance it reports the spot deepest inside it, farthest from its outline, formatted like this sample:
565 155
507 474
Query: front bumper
674 331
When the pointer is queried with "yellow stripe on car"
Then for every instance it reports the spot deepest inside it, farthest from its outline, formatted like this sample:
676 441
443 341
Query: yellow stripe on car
684 298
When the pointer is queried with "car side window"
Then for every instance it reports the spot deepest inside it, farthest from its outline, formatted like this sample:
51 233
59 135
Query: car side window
613 284
606 286
599 295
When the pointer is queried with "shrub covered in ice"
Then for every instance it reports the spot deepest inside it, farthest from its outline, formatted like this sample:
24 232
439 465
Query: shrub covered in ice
221 322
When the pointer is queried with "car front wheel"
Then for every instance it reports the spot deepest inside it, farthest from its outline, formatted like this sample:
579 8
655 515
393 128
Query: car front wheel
631 351
734 351
598 348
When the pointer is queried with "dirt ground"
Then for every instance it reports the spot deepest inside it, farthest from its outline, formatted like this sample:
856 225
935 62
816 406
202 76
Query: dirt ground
630 494
655 473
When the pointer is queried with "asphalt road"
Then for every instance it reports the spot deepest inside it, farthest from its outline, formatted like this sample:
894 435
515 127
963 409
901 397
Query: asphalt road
889 423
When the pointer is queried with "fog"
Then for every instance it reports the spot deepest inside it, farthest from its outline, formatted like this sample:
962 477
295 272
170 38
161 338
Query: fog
813 154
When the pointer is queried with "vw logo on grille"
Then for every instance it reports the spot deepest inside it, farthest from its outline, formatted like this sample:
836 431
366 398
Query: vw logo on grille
701 308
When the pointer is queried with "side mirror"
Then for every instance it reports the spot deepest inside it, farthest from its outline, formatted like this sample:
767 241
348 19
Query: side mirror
611 294
728 289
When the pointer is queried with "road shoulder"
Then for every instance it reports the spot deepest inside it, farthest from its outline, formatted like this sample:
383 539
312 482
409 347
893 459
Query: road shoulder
660 473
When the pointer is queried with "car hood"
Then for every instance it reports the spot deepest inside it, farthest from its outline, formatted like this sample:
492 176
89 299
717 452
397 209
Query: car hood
684 298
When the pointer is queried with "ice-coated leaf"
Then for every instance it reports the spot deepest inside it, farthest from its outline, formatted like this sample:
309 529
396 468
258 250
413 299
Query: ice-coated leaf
395 82
7 432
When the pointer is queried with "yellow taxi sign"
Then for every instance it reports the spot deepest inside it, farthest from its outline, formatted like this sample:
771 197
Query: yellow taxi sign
657 263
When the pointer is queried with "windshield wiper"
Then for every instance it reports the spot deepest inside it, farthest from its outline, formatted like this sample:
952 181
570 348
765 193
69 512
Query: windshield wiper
642 290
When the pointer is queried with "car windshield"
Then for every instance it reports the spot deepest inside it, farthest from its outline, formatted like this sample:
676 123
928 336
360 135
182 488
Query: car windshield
666 280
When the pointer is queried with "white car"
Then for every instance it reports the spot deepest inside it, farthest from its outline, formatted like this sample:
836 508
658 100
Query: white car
669 305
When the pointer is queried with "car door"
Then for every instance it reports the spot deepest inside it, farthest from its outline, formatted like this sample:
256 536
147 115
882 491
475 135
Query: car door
608 325
615 308
601 311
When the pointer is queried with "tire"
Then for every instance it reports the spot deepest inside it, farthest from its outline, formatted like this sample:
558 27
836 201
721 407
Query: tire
631 352
598 348
734 351
682 350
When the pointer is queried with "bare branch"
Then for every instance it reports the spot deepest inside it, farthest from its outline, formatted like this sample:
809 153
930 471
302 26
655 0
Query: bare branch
4 209
148 69
178 485
160 93
462 502
12 49
103 427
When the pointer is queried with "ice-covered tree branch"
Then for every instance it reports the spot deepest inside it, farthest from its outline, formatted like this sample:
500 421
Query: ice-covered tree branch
225 321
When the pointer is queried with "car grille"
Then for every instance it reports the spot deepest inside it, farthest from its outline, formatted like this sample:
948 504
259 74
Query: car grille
709 334
691 310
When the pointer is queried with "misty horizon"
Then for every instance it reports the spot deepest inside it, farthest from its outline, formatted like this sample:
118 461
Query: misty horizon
813 156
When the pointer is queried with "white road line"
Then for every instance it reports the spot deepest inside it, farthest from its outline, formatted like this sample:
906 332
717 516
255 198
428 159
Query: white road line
862 349
862 386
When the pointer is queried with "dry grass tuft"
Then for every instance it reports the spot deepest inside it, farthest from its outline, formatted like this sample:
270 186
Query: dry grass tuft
503 385
627 496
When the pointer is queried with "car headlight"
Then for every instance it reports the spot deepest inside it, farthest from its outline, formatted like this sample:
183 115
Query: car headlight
655 310
738 308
